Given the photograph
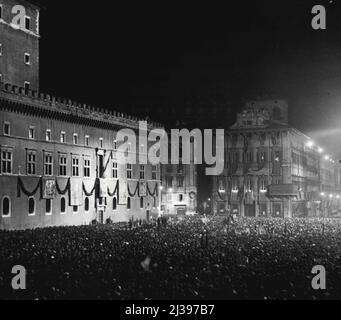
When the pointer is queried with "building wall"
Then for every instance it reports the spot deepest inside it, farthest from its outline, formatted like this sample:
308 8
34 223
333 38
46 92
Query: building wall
22 113
177 199
15 42
271 170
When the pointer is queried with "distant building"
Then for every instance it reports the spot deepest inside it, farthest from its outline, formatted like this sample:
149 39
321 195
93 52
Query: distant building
179 189
273 169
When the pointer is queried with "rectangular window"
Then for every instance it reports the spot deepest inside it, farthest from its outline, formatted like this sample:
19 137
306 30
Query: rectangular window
48 135
7 129
0 49
27 58
115 144
154 172
75 167
129 171
87 140
48 164
115 170
75 138
62 137
101 143
6 161
87 168
62 165
27 85
31 162
0 11
142 172
169 181
31 132
27 23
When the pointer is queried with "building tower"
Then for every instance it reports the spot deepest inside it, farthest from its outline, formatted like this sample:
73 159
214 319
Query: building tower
19 44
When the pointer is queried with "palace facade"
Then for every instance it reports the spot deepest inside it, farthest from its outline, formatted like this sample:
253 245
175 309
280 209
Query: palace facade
59 159
274 170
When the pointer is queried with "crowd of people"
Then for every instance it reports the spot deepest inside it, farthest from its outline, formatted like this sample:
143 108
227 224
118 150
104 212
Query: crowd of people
187 258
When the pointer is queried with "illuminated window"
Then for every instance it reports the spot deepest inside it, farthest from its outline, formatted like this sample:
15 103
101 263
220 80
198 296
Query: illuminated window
27 58
87 140
31 133
75 138
48 135
115 144
62 137
27 85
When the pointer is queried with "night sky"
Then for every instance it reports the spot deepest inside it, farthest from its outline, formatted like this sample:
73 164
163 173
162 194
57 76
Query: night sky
114 55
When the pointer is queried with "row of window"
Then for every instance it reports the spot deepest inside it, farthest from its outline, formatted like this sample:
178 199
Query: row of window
179 181
262 156
7 206
75 138
31 165
233 184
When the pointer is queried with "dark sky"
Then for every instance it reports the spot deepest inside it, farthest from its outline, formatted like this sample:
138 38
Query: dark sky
112 55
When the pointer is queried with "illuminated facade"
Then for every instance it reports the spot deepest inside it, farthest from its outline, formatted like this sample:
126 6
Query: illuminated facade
272 169
59 159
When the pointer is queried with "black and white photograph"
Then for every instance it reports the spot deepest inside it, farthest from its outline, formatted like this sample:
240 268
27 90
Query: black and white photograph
170 152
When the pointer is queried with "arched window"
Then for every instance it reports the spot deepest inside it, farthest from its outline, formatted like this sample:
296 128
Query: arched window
6 207
87 204
114 204
181 197
31 207
141 202
62 205
48 209
129 204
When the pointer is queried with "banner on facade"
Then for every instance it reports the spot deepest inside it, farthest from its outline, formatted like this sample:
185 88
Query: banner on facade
49 188
143 188
103 188
76 192
123 192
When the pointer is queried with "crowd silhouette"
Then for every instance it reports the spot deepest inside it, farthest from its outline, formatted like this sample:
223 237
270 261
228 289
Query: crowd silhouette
187 258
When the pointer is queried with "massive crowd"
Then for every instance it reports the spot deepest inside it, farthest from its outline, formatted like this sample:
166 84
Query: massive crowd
190 258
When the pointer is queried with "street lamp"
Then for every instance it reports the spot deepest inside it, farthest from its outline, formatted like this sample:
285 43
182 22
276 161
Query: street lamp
326 157
320 150
310 144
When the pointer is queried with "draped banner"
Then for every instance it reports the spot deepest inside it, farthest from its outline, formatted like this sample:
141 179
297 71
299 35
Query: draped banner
133 188
76 192
21 187
103 188
152 188
49 188
143 189
113 187
123 192
89 187
65 188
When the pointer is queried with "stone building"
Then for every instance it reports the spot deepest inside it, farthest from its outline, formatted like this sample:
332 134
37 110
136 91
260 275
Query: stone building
179 189
273 169
59 159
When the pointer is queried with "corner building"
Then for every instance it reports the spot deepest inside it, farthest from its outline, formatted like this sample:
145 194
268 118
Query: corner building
274 170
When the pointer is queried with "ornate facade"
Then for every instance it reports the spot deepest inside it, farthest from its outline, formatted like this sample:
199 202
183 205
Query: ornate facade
272 169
